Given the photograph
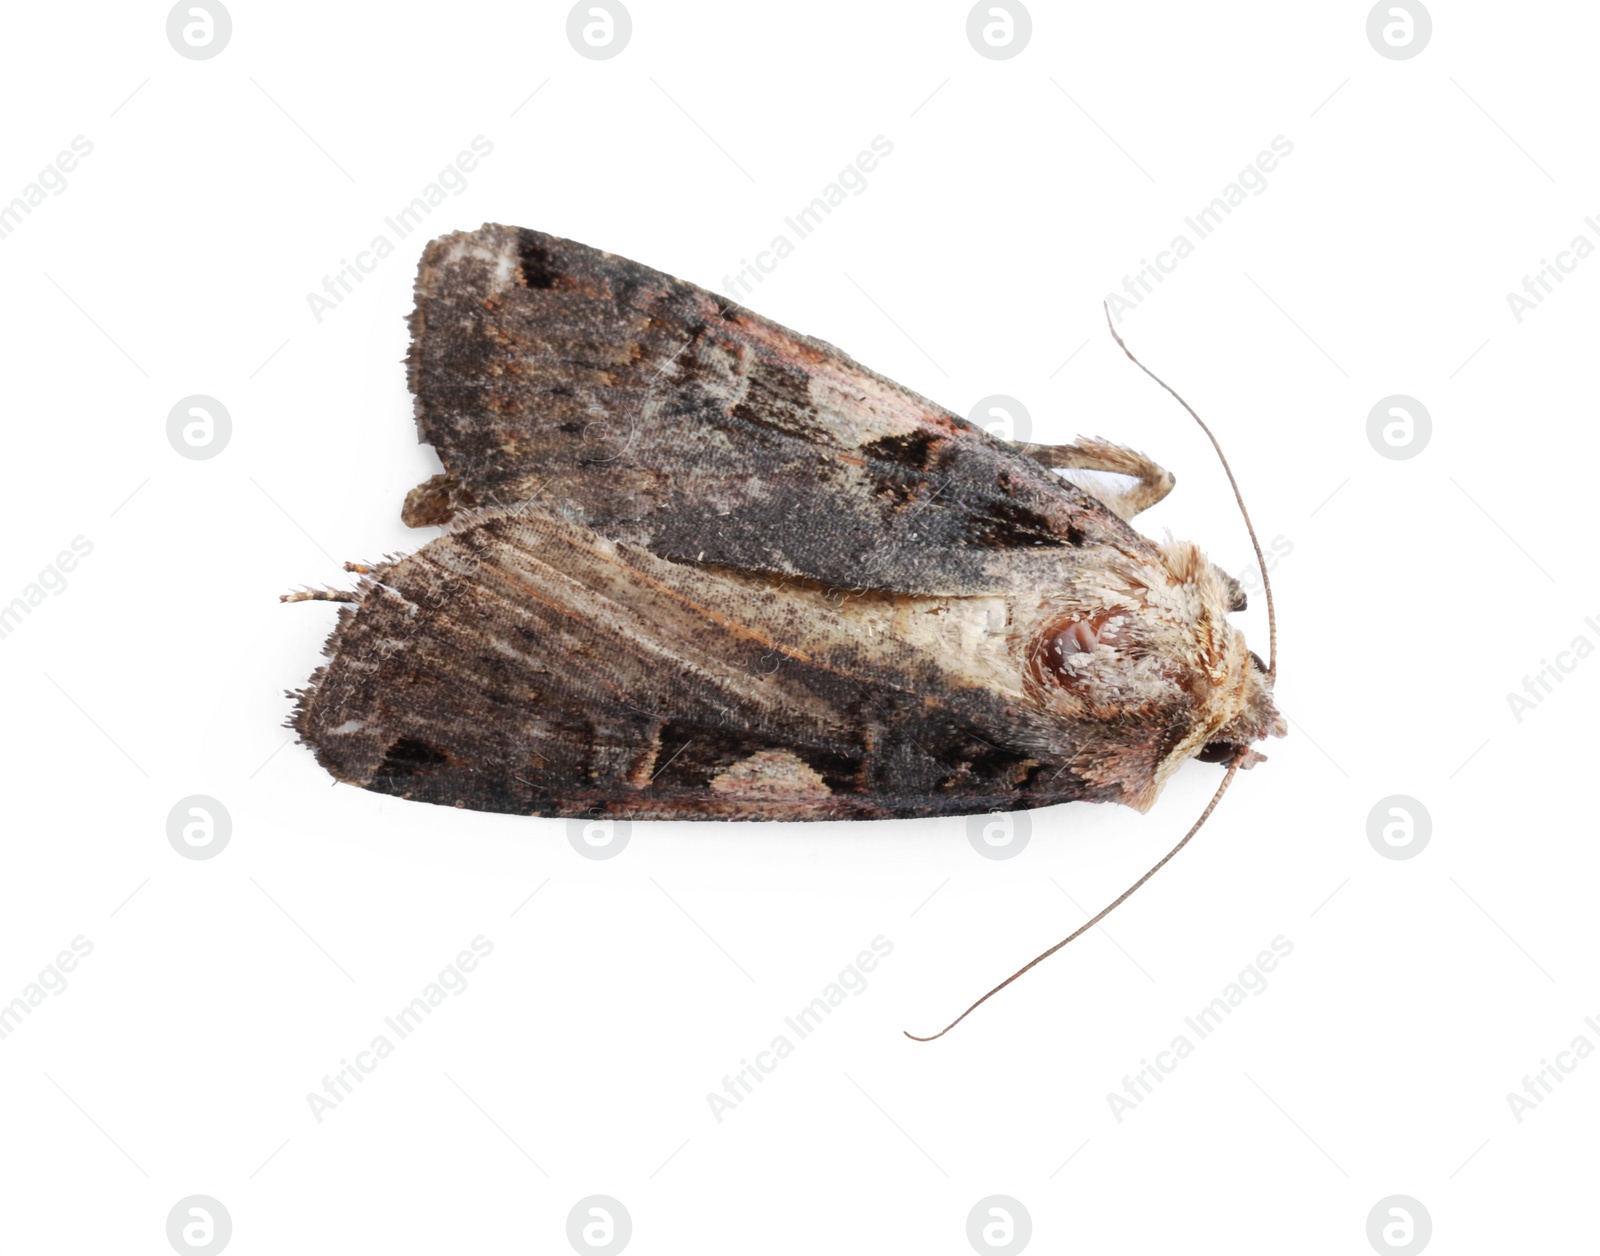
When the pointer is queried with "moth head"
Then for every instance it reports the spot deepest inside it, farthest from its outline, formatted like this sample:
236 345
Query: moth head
1143 664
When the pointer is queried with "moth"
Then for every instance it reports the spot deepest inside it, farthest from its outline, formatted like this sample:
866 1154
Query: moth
698 566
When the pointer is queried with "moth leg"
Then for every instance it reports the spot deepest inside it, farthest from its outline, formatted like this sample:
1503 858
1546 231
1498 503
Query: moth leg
436 501
319 595
1151 482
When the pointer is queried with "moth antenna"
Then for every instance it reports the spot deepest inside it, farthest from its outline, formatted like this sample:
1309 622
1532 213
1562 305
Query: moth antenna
1105 911
1233 766
1261 562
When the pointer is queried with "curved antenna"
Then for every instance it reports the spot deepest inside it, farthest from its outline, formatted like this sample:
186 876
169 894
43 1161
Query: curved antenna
1261 562
1233 766
1105 911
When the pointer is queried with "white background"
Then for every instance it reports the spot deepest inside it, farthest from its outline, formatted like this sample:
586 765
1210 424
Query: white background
1019 193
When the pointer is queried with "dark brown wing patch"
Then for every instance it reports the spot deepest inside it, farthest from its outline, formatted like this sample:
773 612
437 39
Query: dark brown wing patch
655 412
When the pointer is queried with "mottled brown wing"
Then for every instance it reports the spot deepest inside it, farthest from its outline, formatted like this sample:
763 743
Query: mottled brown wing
661 414
524 663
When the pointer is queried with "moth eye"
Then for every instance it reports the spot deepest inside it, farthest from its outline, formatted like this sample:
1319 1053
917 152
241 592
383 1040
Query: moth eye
1256 659
1217 751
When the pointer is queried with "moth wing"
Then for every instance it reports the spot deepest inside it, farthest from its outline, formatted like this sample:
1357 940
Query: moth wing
524 663
661 414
